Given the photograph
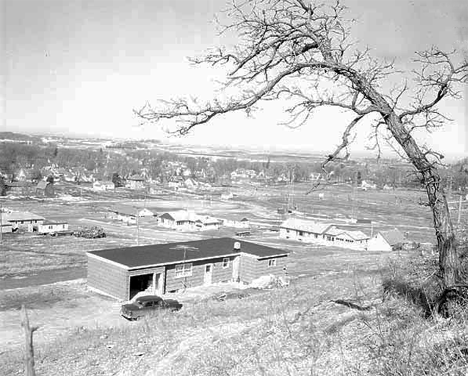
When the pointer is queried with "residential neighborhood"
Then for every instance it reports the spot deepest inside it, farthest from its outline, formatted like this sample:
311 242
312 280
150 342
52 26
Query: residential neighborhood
234 188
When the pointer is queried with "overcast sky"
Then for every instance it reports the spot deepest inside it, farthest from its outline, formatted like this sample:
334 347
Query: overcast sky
81 66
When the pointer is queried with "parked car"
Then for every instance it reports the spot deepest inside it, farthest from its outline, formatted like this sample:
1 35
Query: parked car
147 305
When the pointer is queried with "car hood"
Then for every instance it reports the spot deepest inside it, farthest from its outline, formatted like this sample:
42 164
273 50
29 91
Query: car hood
130 307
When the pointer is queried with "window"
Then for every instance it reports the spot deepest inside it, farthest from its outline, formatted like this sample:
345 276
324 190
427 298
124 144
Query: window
301 233
183 270
271 263
225 262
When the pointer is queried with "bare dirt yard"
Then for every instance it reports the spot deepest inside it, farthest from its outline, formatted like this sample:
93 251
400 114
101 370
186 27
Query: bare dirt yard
38 265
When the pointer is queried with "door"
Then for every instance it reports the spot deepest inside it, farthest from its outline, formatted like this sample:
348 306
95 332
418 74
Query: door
235 269
208 274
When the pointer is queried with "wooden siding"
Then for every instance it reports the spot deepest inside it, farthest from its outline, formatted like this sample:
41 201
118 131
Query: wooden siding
108 278
252 268
219 274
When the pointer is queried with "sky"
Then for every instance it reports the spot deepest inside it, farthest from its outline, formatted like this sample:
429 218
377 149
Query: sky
80 67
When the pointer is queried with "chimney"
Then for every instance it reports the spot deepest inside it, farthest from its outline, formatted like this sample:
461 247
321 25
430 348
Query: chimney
237 246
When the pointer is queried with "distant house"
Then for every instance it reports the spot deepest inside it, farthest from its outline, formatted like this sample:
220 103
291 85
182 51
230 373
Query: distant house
236 222
49 227
129 214
184 220
191 183
23 220
385 240
103 186
157 269
328 234
44 189
227 196
19 187
135 182
6 226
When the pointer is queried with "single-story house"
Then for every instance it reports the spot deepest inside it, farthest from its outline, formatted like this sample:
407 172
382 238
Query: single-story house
185 220
321 233
44 189
5 226
48 227
19 187
103 186
23 220
129 214
135 182
227 196
123 272
242 222
347 239
385 240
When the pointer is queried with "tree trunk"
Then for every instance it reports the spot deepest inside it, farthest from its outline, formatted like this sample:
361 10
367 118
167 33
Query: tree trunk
449 261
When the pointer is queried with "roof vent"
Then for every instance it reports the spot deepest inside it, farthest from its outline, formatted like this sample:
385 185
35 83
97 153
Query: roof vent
237 245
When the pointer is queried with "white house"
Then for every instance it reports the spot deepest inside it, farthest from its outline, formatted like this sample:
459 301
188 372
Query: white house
184 220
227 196
129 214
48 227
23 220
236 222
385 240
308 231
135 182
103 186
6 227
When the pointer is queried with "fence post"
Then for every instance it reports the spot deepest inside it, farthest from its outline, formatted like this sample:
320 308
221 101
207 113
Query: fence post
28 338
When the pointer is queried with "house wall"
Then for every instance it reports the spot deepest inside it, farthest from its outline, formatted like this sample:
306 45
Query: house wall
108 278
378 243
252 268
327 240
219 274
27 224
302 236
6 228
45 229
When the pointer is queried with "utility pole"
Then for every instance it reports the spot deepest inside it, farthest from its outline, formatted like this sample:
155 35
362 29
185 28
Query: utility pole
459 209
1 223
138 227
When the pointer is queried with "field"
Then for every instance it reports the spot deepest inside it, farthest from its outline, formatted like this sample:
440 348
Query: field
319 275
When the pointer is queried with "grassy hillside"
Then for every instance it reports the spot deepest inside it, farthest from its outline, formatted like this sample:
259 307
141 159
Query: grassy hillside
298 330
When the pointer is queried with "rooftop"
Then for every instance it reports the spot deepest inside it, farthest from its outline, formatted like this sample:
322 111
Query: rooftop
21 216
393 237
171 253
306 225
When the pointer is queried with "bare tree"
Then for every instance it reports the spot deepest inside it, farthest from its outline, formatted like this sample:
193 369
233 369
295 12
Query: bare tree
300 52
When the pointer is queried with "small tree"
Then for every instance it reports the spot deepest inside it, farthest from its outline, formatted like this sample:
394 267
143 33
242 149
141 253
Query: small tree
301 52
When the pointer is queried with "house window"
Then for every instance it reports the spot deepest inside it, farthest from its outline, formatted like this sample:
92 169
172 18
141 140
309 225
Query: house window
301 233
225 262
271 263
183 270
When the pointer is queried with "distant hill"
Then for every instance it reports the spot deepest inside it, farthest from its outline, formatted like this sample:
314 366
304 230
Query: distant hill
18 137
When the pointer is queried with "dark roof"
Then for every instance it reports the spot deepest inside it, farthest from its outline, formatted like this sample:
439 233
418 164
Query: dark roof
42 184
172 253
58 222
393 237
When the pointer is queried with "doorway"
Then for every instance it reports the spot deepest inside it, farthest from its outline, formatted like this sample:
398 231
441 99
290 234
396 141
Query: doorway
208 274
140 283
